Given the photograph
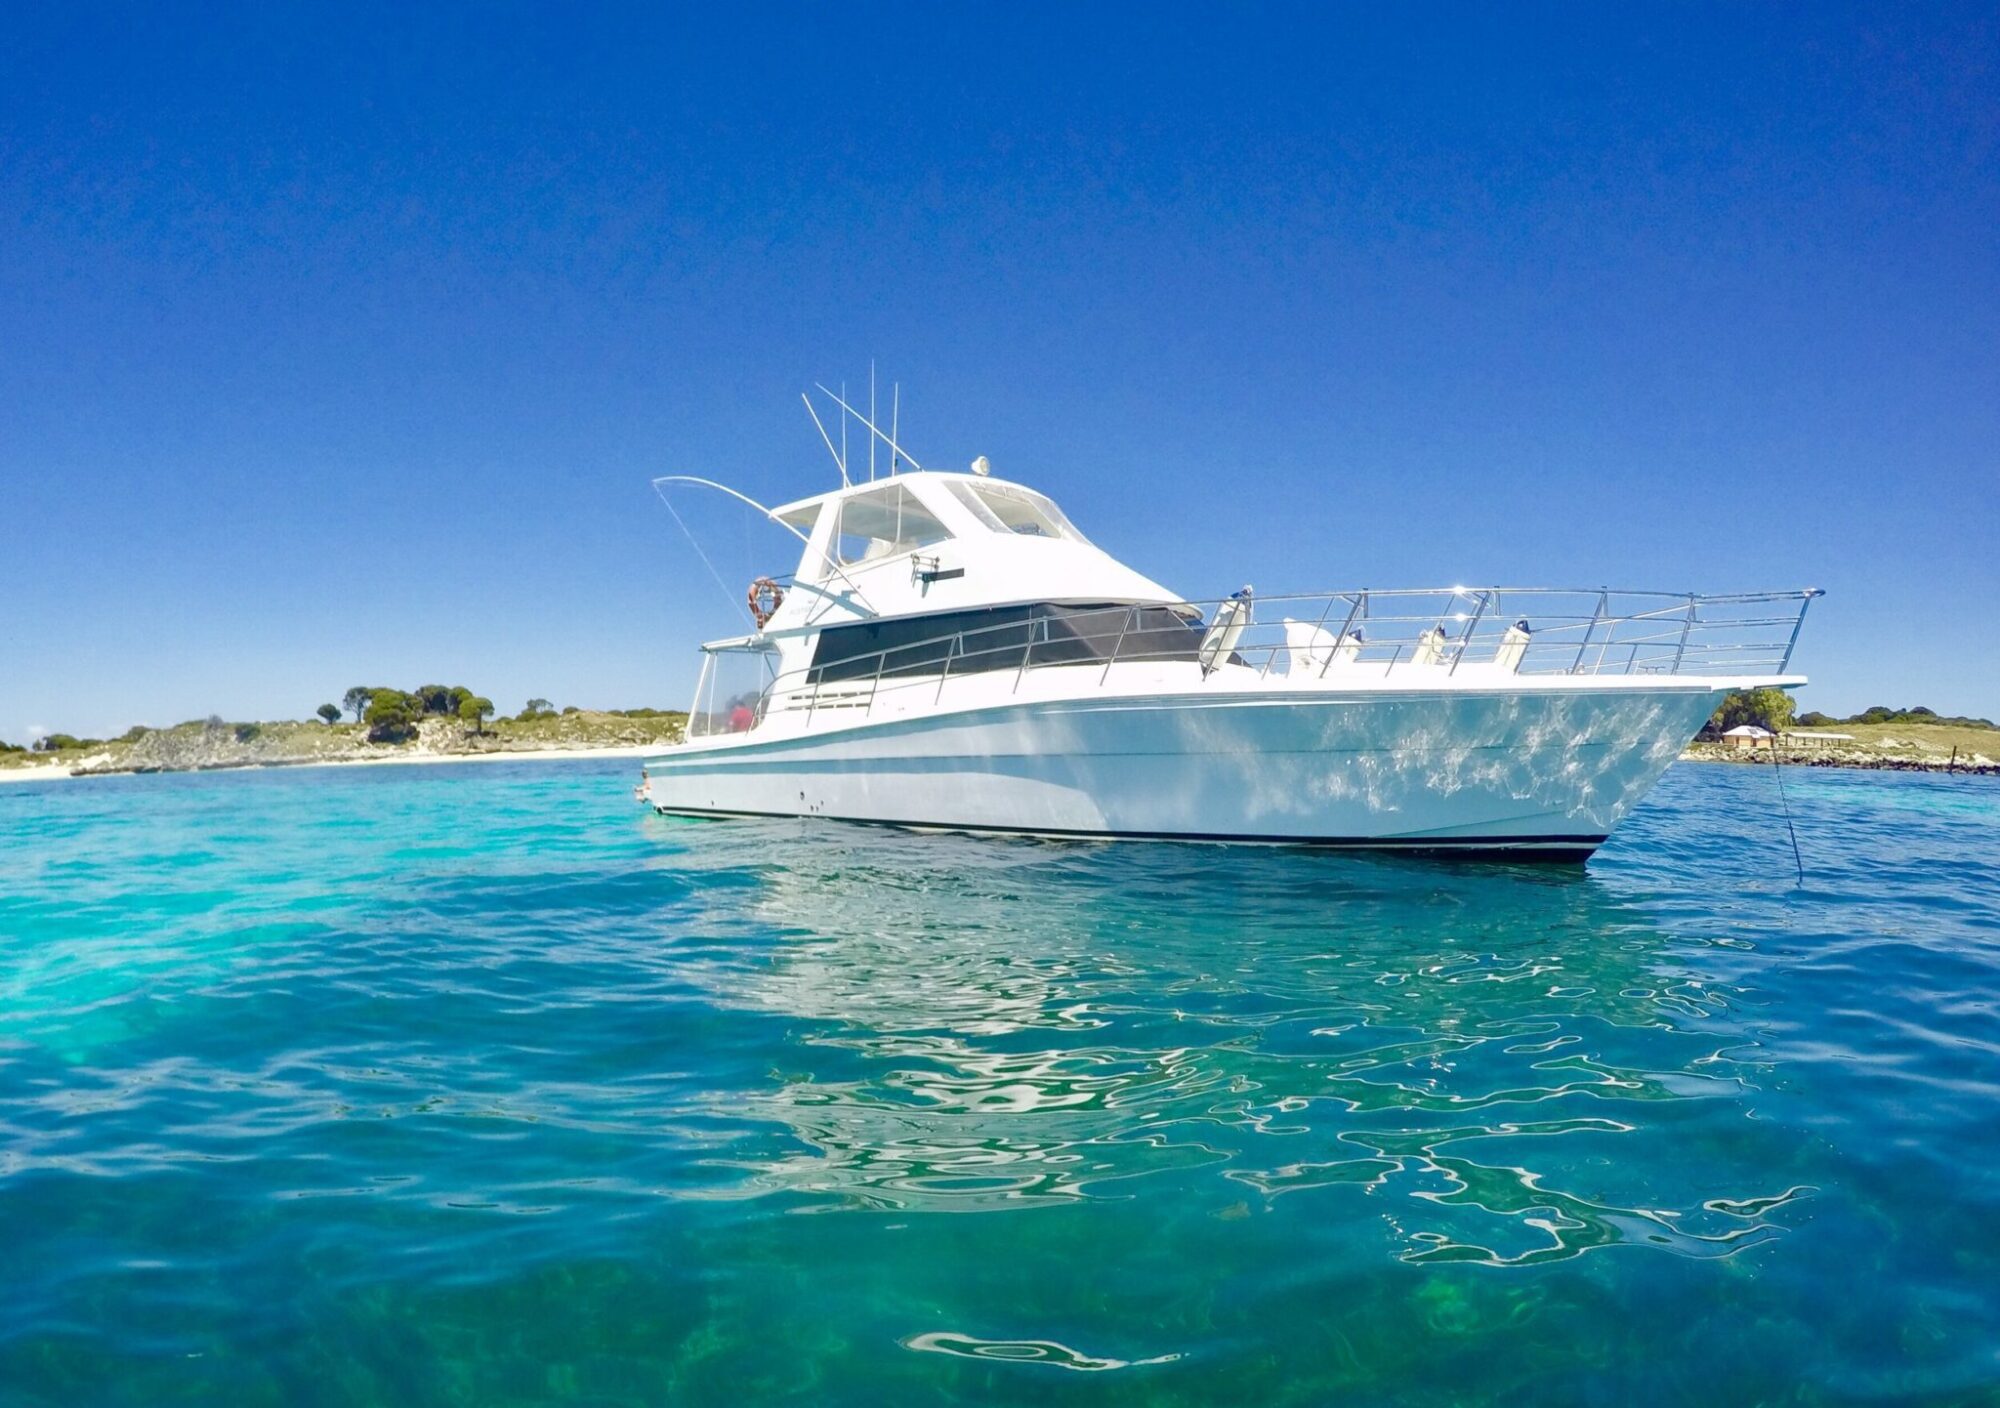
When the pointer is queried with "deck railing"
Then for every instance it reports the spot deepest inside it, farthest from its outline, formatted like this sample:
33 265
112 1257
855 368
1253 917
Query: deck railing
1358 635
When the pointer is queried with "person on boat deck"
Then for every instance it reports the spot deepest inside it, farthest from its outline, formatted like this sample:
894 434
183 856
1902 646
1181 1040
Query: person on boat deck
741 715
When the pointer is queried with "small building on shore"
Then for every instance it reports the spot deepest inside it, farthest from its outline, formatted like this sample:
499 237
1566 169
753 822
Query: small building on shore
1749 736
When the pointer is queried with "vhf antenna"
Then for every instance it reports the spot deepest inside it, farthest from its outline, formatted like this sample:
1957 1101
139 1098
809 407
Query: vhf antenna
874 430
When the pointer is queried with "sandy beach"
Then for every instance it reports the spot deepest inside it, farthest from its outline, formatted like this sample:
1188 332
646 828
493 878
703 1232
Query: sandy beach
40 773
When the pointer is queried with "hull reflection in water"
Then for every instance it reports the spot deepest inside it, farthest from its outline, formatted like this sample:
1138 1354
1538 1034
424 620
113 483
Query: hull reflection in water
1001 1029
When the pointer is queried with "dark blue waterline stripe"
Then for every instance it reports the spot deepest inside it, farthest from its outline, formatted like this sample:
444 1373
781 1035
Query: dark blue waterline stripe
1538 847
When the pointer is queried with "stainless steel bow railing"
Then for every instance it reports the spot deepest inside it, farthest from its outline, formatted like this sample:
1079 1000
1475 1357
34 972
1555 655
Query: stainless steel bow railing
1427 633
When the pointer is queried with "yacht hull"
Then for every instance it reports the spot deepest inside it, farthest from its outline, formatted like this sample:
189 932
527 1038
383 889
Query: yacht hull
1530 773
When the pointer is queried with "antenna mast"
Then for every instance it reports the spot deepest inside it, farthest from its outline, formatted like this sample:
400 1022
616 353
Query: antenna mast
839 461
895 419
871 419
870 425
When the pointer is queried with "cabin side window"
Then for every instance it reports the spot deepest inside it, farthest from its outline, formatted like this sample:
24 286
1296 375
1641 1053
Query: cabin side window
1003 638
883 523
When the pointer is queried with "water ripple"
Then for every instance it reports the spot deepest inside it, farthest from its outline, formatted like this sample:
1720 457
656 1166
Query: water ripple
491 1088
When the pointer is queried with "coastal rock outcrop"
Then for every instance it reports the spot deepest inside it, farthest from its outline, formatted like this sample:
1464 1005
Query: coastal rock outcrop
214 744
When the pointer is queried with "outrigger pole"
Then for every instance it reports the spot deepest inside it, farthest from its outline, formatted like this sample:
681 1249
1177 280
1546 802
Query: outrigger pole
839 461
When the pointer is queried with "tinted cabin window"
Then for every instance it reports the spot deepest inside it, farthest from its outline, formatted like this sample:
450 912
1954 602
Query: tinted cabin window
1002 638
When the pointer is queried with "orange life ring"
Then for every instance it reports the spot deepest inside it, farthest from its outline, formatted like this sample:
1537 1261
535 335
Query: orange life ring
762 590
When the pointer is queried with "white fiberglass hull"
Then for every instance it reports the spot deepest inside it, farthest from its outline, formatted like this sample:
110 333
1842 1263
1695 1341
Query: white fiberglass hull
1542 772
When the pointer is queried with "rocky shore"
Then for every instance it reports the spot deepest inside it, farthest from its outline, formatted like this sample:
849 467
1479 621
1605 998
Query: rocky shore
1889 754
212 746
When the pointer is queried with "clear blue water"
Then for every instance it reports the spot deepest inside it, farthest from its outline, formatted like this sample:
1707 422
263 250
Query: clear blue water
479 1085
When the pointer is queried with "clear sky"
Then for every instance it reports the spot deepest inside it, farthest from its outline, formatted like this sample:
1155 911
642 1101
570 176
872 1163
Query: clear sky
338 344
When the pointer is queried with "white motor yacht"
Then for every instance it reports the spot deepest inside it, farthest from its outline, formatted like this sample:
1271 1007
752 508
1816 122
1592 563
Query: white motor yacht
951 652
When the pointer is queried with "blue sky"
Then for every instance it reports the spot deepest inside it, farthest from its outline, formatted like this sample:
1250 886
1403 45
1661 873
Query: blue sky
338 345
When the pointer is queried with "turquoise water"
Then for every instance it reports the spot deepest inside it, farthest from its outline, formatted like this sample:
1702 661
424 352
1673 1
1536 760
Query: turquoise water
479 1085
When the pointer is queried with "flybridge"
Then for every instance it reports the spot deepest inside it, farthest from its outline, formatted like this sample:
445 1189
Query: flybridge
906 540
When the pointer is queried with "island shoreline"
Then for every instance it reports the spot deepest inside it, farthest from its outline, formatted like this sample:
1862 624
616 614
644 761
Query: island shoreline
53 772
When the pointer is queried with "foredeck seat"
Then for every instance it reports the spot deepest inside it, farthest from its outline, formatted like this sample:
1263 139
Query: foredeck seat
1430 647
1314 649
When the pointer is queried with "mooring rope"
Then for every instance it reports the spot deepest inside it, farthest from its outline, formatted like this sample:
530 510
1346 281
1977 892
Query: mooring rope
1785 803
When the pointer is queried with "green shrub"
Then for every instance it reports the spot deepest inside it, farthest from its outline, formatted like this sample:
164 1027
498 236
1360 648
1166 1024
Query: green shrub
1919 714
1764 708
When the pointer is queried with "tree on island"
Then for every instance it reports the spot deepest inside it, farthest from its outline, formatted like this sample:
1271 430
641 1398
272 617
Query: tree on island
329 712
1761 708
441 698
537 709
475 710
355 701
392 715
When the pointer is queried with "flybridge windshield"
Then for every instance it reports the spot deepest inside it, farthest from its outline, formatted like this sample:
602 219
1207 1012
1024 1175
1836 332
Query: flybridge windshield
1007 509
883 523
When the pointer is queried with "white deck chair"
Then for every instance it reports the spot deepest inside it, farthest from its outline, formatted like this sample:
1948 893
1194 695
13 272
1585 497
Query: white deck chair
1430 647
1311 647
1315 650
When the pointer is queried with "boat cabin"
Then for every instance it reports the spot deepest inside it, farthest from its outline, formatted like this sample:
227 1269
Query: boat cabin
929 573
